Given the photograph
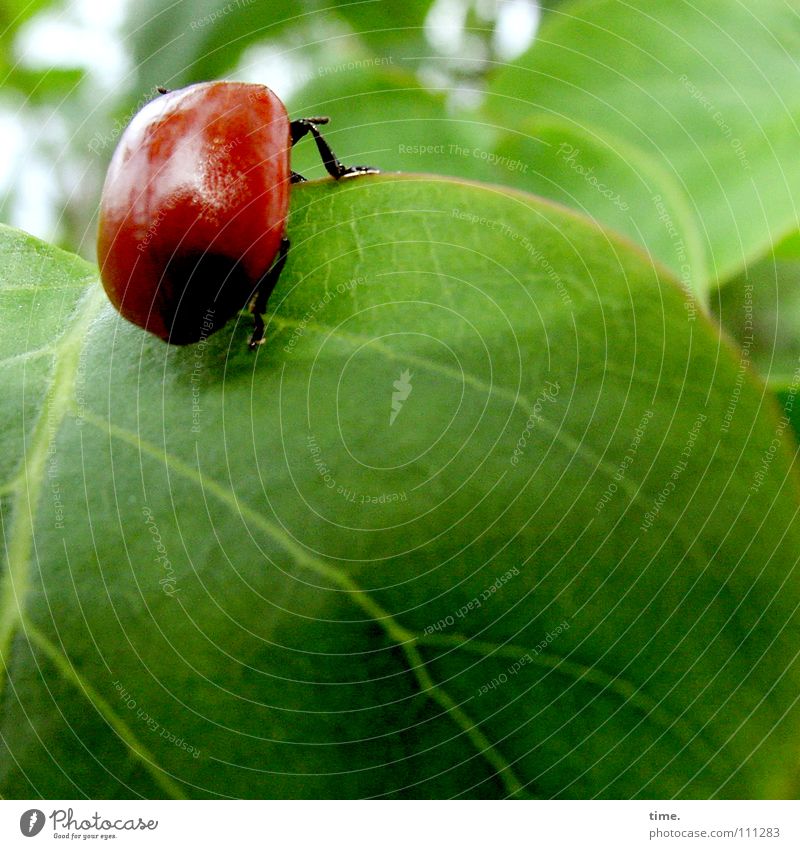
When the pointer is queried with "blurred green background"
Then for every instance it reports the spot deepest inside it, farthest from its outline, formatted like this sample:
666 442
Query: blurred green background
75 72
674 125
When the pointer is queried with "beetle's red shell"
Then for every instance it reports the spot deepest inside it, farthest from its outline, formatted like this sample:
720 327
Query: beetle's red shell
194 207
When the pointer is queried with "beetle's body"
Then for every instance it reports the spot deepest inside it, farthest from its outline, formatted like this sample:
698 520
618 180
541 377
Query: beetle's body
194 207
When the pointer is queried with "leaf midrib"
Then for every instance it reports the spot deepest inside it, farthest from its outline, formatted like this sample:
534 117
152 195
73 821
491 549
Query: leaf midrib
25 489
404 639
26 492
68 672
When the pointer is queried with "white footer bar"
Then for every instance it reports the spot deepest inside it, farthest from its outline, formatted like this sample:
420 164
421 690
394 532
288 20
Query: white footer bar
401 825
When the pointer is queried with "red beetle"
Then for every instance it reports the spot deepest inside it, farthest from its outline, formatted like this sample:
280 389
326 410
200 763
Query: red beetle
194 208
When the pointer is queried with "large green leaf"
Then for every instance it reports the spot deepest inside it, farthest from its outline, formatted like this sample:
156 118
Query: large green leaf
761 310
472 522
711 91
615 183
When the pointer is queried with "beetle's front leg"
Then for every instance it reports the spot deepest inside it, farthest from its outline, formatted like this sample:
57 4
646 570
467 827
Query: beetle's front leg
303 126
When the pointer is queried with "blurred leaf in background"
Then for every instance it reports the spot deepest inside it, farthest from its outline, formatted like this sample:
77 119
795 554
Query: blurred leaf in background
760 310
59 61
711 93
185 42
75 74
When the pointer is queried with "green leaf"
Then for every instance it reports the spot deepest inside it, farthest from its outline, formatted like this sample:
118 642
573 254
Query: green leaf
472 522
760 309
788 248
615 183
711 92
381 116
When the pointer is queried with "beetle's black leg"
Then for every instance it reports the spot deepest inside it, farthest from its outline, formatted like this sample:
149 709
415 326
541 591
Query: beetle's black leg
267 283
302 126
161 90
297 178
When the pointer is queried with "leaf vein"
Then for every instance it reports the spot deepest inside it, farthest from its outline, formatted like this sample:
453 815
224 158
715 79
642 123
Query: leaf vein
72 676
27 491
404 638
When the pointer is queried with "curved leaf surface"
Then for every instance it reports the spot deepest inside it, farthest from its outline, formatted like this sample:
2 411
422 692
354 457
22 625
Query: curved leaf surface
475 521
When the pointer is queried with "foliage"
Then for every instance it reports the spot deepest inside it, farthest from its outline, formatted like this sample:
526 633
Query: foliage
498 509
